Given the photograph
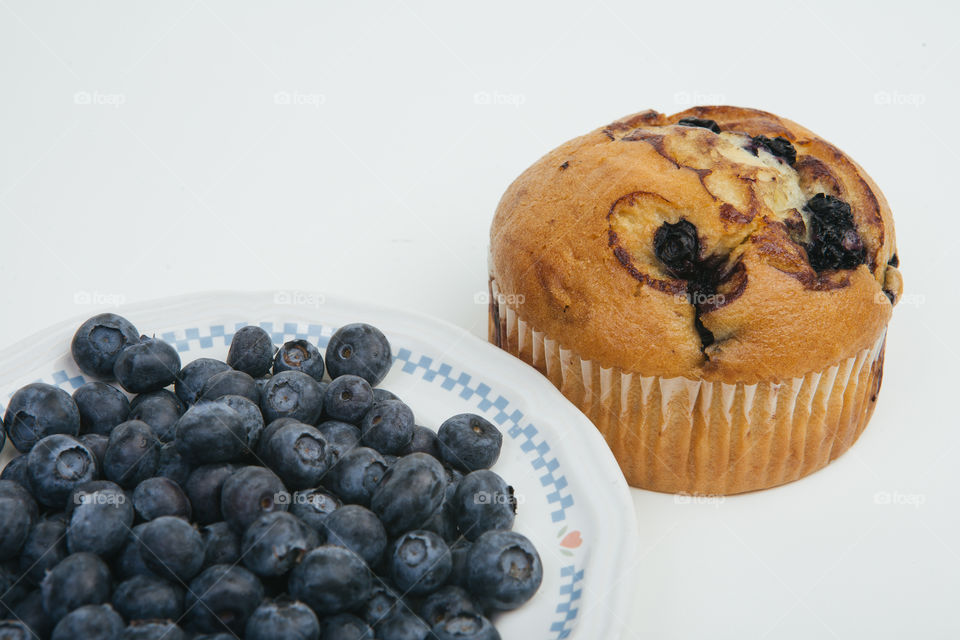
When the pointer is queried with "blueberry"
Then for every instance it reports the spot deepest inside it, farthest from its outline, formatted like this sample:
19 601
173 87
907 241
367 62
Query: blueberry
459 553
275 542
159 409
403 625
189 383
381 604
410 491
220 543
14 630
271 429
677 246
504 569
313 506
172 548
211 432
297 453
345 626
37 411
340 436
56 465
835 243
447 602
90 622
261 384
443 520
779 147
347 398
18 514
469 442
292 394
355 477
101 407
251 351
231 383
454 476
133 453
424 441
153 630
361 350
79 579
45 546
204 488
443 523
331 580
299 355
222 598
250 417
702 123
148 598
29 613
129 562
159 496
388 427
465 626
358 529
16 471
483 502
282 619
250 492
420 562
12 588
149 365
79 494
97 444
170 464
99 341
382 395
100 520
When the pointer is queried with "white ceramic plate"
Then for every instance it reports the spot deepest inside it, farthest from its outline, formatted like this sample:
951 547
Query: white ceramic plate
573 501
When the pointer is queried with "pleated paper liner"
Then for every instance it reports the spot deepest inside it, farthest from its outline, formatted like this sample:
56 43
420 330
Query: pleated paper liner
679 435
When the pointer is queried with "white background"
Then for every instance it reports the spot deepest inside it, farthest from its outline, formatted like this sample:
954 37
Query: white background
154 149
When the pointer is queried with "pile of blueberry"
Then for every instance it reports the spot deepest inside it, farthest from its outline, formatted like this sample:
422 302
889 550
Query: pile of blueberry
254 499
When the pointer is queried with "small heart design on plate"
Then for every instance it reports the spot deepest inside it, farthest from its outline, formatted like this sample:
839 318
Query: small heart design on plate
572 540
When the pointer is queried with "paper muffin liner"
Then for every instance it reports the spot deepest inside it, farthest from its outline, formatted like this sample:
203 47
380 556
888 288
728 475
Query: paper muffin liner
679 435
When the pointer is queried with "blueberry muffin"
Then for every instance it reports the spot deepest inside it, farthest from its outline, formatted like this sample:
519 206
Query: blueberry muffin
711 288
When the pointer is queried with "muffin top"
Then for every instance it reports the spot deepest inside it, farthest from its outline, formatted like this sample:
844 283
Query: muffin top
720 243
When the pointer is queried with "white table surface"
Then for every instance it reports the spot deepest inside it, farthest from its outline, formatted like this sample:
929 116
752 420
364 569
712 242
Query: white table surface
154 149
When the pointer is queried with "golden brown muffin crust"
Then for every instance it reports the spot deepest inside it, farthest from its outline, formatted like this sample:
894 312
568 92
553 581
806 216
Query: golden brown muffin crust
572 244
